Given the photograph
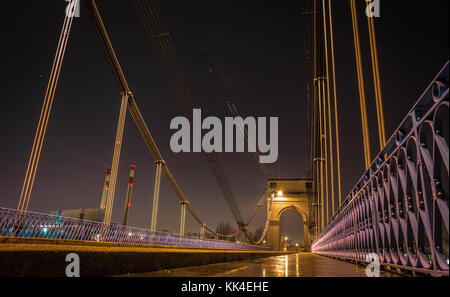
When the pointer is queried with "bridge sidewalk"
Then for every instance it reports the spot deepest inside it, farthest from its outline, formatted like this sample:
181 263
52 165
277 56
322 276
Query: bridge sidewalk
44 257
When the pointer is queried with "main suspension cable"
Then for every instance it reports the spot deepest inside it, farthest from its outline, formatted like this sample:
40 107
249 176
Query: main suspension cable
212 68
160 36
136 114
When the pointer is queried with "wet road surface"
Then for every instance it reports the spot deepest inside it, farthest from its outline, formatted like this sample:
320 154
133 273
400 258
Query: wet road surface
294 265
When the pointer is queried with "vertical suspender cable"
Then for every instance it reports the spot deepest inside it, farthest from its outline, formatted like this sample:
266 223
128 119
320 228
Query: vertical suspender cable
328 107
134 110
325 147
321 153
316 165
46 109
377 82
338 151
362 96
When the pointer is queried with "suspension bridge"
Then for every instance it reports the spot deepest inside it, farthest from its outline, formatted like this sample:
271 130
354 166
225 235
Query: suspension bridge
397 211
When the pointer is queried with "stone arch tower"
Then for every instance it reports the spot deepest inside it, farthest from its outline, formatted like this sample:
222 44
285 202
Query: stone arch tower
289 194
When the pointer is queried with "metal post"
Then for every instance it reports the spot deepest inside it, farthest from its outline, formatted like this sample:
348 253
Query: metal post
159 165
128 197
116 158
183 217
202 231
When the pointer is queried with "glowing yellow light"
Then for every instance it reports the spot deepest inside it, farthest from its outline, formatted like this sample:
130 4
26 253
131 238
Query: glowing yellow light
279 193
286 238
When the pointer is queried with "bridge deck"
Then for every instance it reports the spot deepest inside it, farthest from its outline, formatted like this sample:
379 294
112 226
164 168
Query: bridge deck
43 257
293 265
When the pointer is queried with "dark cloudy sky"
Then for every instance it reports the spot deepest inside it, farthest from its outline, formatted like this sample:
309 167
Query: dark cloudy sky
258 45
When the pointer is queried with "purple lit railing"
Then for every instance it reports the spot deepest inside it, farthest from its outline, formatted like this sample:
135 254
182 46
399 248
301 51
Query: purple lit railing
399 208
38 225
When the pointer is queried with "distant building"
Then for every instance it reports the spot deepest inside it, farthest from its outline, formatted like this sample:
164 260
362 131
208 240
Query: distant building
90 214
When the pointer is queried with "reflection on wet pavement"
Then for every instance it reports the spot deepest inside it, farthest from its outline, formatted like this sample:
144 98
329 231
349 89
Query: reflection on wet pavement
293 265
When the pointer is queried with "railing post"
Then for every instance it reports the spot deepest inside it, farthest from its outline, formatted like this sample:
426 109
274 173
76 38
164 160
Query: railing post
116 158
183 217
159 165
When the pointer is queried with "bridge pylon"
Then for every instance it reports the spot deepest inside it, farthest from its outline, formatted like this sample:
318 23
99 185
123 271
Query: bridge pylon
289 194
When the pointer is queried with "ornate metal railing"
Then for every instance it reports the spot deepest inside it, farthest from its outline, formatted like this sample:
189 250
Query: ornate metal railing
38 225
399 208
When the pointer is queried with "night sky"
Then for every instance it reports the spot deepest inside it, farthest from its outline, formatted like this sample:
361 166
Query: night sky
257 45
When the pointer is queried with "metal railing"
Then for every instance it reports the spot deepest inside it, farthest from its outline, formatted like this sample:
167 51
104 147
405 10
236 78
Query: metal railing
39 225
399 208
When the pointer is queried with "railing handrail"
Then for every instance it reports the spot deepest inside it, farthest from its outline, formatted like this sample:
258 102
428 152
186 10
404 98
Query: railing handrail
398 210
32 225
391 142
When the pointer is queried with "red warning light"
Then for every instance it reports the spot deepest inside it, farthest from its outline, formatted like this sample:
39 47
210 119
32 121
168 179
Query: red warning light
133 165
129 204
131 185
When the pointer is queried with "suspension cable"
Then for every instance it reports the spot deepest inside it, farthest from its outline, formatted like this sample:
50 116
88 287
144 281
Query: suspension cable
163 44
325 147
330 133
135 112
338 151
318 124
46 109
377 81
362 96
322 159
212 68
